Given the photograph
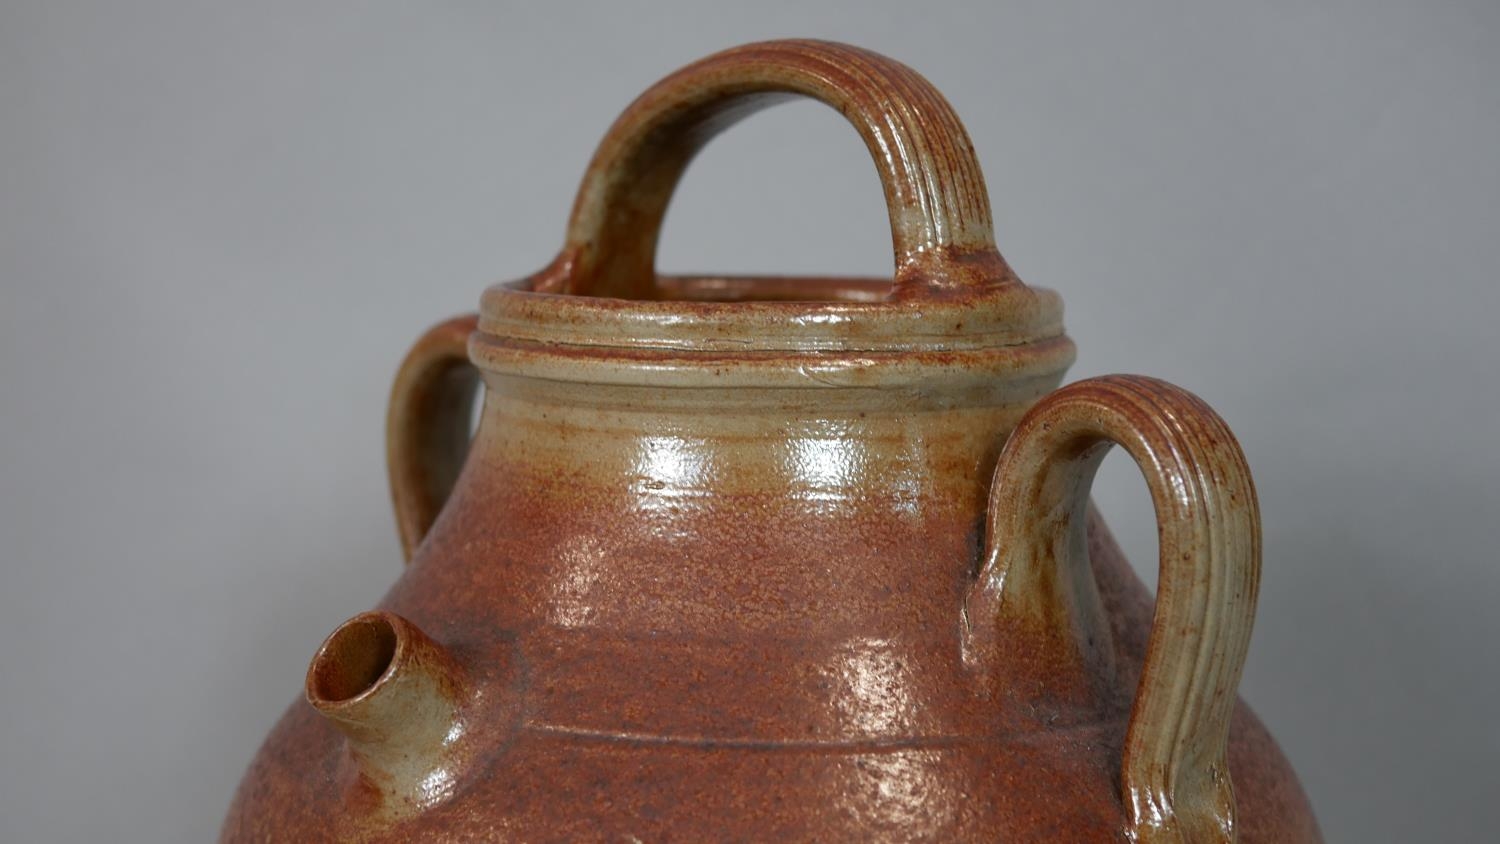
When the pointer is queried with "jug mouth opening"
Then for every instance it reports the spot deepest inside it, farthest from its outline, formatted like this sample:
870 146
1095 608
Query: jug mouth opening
768 330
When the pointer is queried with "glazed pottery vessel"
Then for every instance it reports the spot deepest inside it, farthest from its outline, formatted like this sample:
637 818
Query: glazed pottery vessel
735 559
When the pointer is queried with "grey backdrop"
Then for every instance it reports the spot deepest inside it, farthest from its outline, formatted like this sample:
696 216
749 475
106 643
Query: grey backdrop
222 223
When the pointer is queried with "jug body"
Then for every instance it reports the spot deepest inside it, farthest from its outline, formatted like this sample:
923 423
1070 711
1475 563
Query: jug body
721 610
784 559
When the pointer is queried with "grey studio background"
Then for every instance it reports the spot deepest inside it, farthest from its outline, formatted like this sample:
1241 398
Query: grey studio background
222 224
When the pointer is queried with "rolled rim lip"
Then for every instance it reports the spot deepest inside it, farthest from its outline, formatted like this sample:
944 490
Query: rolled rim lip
854 318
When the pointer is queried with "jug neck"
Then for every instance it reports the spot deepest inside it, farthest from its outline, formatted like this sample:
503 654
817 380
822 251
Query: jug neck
896 445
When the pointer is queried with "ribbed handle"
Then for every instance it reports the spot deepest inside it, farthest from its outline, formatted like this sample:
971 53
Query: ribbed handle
1174 777
939 210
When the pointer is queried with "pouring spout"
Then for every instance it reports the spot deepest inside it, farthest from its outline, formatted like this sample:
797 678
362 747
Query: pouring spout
397 697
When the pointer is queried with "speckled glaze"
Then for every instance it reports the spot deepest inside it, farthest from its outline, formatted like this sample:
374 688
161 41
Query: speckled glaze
735 559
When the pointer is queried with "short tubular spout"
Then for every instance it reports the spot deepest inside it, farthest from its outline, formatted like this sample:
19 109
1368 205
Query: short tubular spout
397 696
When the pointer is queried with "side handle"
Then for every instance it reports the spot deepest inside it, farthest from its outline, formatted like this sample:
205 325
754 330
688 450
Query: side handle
427 426
1174 777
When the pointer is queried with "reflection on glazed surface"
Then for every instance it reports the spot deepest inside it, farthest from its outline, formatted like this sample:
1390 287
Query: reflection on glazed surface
573 596
826 467
909 791
672 467
874 694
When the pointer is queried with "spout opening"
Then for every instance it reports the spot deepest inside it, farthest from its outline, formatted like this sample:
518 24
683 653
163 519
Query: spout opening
353 661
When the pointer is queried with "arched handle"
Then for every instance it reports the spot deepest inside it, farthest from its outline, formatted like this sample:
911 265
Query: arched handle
939 210
1174 777
427 426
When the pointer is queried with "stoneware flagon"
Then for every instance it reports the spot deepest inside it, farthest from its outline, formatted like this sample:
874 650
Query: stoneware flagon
785 559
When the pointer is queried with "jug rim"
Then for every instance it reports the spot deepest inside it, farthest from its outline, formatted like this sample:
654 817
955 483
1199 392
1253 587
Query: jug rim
744 331
725 313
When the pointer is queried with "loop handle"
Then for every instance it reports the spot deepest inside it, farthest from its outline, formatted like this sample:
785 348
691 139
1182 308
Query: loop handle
1036 578
934 191
427 426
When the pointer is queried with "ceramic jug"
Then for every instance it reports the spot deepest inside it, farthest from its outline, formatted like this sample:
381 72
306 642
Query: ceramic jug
743 559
